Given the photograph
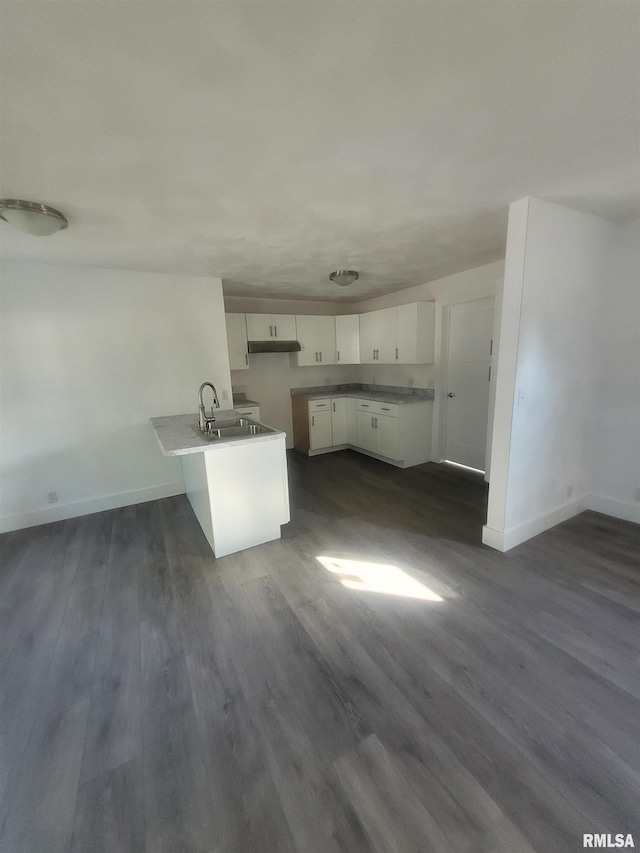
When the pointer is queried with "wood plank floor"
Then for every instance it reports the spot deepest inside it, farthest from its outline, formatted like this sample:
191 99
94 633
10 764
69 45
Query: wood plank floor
413 691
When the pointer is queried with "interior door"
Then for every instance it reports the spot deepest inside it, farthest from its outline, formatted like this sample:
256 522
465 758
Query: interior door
468 372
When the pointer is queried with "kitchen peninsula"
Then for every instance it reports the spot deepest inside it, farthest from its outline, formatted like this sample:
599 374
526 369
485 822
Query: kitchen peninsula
236 484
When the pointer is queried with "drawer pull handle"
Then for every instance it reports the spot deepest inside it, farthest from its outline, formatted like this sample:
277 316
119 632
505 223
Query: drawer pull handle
385 410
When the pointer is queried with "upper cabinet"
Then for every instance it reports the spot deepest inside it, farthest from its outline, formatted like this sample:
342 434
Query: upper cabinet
348 339
415 333
378 336
402 335
317 337
265 327
237 341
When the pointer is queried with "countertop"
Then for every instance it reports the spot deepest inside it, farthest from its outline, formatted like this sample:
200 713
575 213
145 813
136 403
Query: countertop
176 436
379 394
241 402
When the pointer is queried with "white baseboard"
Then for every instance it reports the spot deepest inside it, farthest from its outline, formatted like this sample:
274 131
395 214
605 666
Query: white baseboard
625 510
505 540
493 538
58 512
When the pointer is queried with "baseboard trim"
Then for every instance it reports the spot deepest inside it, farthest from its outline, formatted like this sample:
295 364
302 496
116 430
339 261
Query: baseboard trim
505 540
493 538
624 510
58 512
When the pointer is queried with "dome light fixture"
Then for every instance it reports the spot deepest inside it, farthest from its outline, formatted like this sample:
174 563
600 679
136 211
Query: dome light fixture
344 277
33 218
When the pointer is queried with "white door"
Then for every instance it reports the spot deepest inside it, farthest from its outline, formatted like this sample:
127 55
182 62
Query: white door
348 339
339 420
468 374
386 347
320 430
259 327
387 435
366 433
369 335
284 326
237 341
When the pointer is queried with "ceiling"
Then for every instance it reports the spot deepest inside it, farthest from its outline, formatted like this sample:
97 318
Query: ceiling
271 143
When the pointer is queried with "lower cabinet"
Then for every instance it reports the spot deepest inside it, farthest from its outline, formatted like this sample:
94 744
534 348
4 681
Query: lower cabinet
396 433
252 412
320 432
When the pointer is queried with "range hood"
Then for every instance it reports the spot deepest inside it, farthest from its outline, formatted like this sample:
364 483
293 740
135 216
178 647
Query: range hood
273 346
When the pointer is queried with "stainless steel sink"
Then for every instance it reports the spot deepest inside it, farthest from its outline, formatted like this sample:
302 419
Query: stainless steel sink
232 428
246 429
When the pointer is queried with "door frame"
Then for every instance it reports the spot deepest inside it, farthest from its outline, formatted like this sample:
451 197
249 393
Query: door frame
441 367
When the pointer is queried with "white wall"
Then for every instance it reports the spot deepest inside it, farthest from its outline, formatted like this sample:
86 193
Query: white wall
87 357
557 261
616 403
270 376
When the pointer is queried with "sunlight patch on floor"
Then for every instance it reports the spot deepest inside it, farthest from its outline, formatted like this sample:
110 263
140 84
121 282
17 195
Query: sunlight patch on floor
387 579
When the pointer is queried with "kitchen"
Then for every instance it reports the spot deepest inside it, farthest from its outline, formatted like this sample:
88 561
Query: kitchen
401 657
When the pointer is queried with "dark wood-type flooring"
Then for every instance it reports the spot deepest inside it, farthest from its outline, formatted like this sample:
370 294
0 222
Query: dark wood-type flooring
153 698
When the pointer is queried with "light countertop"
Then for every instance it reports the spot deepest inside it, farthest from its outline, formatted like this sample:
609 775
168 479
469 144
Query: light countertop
383 394
176 436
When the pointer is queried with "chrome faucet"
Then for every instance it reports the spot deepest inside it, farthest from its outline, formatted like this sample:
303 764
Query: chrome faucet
207 420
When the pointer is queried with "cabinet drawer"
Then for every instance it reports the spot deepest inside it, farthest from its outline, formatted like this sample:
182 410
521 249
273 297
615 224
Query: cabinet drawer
319 405
249 412
375 408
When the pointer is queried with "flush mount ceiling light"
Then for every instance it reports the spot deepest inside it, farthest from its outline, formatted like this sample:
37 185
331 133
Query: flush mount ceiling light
31 217
344 277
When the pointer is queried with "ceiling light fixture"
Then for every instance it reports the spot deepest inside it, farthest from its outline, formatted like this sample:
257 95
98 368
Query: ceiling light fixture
31 217
344 277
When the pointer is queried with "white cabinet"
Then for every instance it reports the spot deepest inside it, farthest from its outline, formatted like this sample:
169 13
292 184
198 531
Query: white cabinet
402 335
378 336
339 420
378 432
252 412
387 436
317 337
415 333
237 341
396 433
348 339
366 430
320 431
266 327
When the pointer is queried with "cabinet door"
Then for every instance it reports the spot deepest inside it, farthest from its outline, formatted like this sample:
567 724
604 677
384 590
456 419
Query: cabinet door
284 326
386 429
317 337
352 421
415 333
386 346
237 341
326 330
366 431
320 430
259 327
348 339
307 335
369 335
339 420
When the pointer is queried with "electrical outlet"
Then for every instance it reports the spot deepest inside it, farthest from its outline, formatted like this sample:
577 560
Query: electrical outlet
327 380
52 497
225 394
521 397
569 492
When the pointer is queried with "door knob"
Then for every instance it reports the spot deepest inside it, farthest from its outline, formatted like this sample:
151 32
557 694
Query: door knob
450 394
